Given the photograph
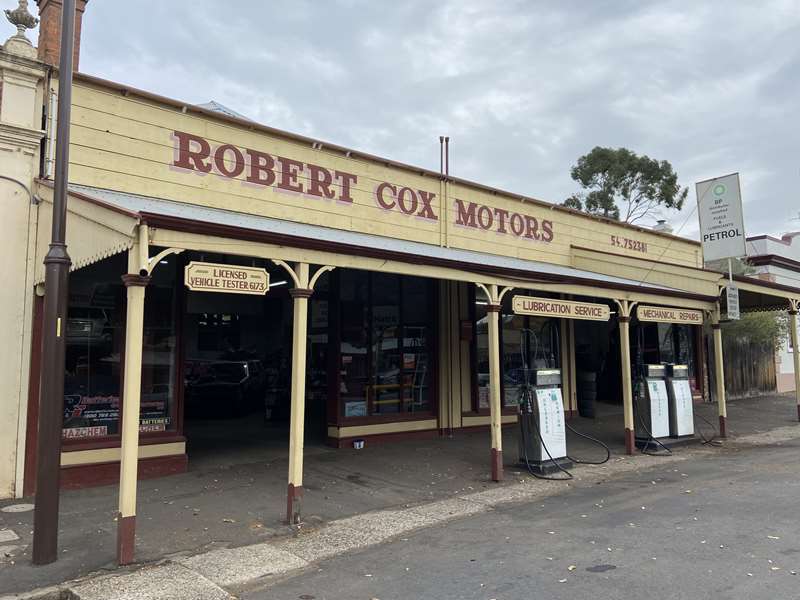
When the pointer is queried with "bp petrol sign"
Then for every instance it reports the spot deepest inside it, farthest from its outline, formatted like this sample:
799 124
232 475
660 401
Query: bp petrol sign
719 204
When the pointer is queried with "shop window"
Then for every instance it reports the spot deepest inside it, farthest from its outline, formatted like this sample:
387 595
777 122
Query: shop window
526 344
218 332
417 332
355 334
387 396
647 344
666 342
481 353
684 345
159 356
320 402
386 328
658 343
318 326
513 357
675 344
95 334
94 342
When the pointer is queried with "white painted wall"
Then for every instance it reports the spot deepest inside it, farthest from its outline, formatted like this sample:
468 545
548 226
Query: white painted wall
20 117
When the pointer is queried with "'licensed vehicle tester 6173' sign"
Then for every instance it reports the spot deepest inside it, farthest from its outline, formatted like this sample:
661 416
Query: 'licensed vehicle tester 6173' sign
231 279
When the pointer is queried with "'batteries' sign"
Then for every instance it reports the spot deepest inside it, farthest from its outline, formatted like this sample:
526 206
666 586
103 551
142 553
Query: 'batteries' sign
231 279
719 204
666 314
546 307
732 297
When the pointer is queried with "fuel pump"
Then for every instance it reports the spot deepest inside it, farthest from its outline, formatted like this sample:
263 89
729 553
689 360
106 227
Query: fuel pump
652 407
681 408
651 403
543 439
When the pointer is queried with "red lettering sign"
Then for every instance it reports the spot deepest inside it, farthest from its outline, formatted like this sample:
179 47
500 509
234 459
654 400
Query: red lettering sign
195 153
481 216
405 200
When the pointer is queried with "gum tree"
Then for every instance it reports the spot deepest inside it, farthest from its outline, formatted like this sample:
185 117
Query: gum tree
619 184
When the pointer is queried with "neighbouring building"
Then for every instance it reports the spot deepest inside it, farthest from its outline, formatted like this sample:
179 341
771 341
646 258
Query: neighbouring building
778 260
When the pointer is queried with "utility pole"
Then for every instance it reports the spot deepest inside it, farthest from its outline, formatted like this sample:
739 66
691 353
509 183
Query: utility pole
57 263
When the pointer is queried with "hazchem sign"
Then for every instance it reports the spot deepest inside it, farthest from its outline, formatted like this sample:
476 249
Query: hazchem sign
231 279
666 314
547 307
719 205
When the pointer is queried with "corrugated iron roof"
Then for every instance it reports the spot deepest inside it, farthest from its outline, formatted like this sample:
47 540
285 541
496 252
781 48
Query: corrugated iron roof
192 212
221 108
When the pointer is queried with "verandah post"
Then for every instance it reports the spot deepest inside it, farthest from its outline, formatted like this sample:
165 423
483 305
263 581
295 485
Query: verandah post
135 281
795 304
302 291
300 296
624 319
495 412
719 373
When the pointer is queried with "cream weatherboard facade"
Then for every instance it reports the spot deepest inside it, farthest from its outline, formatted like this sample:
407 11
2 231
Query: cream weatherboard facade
154 180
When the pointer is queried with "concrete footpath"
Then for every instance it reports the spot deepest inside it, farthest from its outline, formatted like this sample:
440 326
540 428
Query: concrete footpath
228 568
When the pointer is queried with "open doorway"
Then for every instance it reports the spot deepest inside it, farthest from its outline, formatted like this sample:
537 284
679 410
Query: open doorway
237 360
597 368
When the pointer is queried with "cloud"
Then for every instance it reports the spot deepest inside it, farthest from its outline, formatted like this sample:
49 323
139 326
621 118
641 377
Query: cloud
521 87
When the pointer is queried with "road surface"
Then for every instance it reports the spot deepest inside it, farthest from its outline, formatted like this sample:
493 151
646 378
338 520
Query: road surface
722 526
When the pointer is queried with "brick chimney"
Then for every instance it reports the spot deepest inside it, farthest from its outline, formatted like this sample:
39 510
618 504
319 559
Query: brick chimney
50 31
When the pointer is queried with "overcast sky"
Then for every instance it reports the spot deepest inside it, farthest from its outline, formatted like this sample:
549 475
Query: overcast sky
521 87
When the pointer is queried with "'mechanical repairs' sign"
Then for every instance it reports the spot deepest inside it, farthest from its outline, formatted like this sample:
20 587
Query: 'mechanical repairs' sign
547 307
666 314
231 279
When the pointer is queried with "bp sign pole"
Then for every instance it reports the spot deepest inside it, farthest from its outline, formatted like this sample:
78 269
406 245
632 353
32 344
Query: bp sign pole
719 205
57 263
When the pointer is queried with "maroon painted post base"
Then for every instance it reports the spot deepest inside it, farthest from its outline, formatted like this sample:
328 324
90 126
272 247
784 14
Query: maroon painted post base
723 426
629 443
126 539
497 465
293 497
